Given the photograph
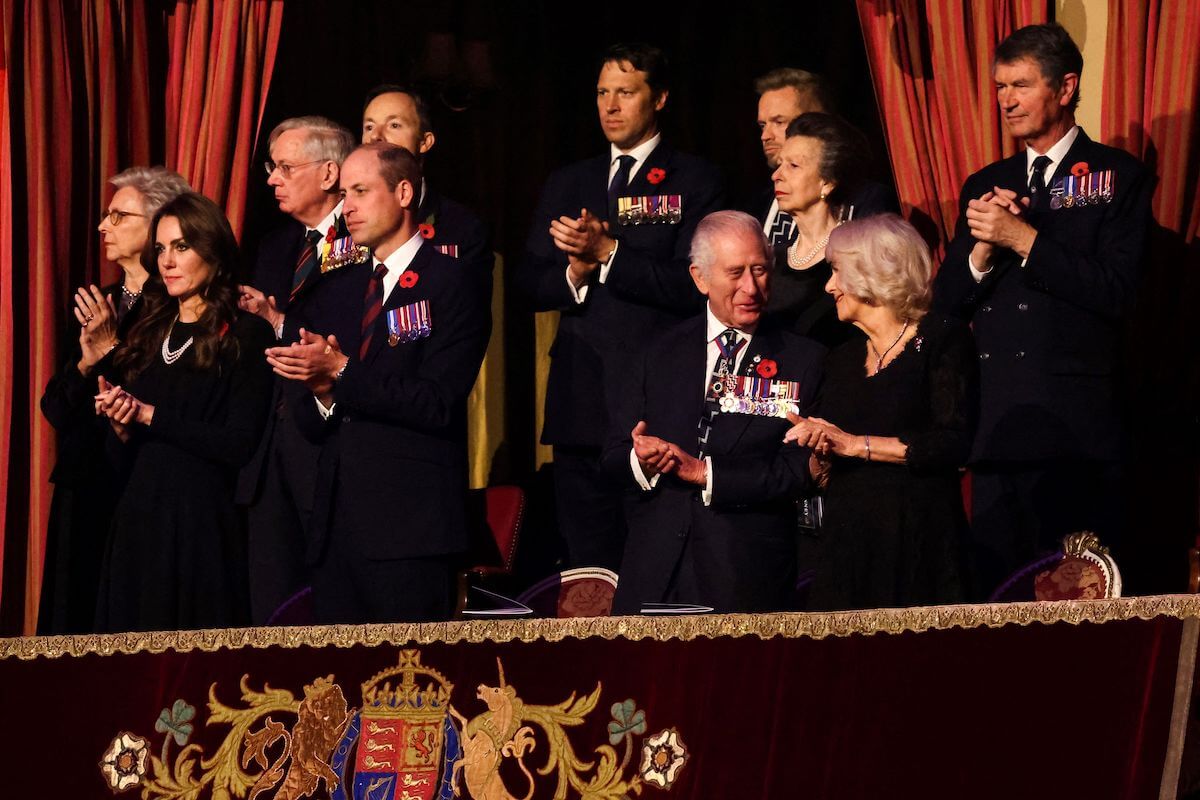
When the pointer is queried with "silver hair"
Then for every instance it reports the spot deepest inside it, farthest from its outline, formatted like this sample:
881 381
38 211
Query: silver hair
721 224
156 185
326 140
882 260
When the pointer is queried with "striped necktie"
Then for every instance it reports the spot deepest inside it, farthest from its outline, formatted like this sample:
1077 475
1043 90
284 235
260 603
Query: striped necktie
372 306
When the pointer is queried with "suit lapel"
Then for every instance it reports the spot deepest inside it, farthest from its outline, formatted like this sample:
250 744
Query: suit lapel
594 191
659 158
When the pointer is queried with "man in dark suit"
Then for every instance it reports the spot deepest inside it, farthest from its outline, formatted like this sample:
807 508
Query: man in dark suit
783 95
389 350
697 440
400 115
609 249
1045 263
277 484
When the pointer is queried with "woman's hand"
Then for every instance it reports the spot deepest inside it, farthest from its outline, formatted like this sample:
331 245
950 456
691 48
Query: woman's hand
824 438
98 334
818 466
121 408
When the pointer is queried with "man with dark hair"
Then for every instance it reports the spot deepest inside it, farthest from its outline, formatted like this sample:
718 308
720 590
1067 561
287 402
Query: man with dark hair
697 438
608 248
1045 264
389 350
783 95
401 116
304 167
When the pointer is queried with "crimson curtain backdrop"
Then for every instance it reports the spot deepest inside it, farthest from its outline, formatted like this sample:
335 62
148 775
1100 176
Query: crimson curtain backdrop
101 86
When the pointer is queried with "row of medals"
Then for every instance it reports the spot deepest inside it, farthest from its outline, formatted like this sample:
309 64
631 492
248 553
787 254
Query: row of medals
1087 190
731 403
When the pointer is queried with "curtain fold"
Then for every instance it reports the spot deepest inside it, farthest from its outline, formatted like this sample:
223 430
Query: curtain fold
931 63
108 84
6 261
222 54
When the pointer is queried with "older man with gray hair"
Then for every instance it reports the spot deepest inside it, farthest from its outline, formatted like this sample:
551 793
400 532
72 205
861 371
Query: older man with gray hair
304 169
698 440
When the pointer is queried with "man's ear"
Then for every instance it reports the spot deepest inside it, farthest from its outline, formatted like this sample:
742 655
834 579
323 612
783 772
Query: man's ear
1070 86
661 101
333 173
426 143
699 279
406 196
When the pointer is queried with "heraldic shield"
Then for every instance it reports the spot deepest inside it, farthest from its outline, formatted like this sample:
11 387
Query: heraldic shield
402 745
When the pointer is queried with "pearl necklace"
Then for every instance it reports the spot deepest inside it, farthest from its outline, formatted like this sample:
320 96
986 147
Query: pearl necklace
171 356
129 294
795 261
883 355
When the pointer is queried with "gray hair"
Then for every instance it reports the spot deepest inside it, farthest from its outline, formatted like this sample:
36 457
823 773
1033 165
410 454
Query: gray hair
156 185
882 260
809 85
326 140
723 224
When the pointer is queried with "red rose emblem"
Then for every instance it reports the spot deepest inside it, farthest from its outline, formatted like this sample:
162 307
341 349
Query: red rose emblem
1080 169
426 230
409 279
767 368
656 175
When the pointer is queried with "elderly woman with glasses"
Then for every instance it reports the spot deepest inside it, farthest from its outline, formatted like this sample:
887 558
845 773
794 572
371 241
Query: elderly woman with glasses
84 489
893 427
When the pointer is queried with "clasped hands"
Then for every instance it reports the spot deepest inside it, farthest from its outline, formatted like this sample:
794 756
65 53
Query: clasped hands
659 457
997 219
585 240
121 408
315 361
824 439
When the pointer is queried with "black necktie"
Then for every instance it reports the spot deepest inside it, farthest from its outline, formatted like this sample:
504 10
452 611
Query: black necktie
728 344
619 184
1037 182
306 264
372 305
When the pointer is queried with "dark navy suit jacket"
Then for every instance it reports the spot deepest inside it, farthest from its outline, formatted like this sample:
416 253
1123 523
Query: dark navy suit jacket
393 465
647 289
745 541
1048 333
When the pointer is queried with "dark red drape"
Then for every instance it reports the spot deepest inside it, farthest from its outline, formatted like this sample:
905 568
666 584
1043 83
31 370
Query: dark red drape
107 84
931 63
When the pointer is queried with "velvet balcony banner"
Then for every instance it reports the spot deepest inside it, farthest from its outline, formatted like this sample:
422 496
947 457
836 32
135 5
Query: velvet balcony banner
1074 699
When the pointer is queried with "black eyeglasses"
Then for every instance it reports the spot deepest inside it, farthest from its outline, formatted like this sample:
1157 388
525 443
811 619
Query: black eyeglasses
285 169
115 216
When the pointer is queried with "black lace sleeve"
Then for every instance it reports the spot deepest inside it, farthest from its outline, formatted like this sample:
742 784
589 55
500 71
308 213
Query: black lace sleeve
953 381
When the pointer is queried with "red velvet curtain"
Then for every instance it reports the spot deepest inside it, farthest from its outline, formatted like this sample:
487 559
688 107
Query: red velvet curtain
6 262
107 84
931 63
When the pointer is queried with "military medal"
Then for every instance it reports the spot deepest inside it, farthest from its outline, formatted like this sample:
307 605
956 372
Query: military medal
1083 189
447 249
342 252
409 323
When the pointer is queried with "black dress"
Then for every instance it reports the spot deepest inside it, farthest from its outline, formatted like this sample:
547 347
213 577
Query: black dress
800 304
86 487
175 557
894 533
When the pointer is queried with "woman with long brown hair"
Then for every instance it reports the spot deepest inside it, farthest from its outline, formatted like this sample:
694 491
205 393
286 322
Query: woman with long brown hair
188 412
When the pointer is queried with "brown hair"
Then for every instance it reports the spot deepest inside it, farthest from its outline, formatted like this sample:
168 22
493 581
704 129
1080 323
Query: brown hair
207 231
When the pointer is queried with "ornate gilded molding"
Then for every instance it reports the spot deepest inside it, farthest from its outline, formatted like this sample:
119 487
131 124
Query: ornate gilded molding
686 628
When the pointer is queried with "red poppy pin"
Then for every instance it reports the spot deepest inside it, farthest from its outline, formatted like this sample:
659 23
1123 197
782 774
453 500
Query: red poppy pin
332 234
409 279
767 368
224 330
426 230
656 175
1080 169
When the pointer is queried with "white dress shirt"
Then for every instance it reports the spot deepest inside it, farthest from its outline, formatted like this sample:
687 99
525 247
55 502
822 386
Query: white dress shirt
640 154
713 330
1056 154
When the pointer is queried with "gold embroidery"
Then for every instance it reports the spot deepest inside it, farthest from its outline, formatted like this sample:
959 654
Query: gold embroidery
686 628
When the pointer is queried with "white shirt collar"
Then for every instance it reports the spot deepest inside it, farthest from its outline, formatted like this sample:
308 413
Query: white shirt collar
330 221
1056 153
639 153
715 327
399 262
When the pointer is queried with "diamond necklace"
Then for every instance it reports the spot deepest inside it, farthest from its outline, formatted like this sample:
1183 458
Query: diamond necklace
171 356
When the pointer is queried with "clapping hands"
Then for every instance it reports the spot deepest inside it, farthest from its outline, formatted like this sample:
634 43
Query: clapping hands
121 408
659 457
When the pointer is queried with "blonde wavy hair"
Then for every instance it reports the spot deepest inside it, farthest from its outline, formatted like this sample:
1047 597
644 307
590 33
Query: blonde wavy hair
882 260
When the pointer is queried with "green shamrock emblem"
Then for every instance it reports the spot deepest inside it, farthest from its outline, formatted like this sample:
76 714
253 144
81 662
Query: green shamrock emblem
627 719
177 721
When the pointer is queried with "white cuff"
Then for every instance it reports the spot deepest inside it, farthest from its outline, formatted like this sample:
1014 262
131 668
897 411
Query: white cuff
706 494
607 265
639 476
279 327
976 274
579 294
325 413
